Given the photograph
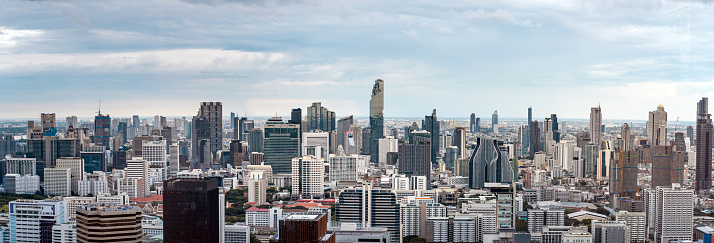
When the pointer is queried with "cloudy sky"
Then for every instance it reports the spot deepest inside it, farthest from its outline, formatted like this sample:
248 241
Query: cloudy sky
264 57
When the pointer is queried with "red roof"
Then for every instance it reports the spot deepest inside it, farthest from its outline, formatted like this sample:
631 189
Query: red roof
154 198
256 209
306 205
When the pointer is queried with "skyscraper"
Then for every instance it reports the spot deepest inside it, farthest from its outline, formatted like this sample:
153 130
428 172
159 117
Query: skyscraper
208 124
704 143
32 220
530 114
307 177
459 140
49 128
595 125
370 207
554 127
102 129
431 125
343 125
191 210
494 122
489 163
295 116
376 119
100 222
472 123
534 139
320 118
414 157
281 145
657 127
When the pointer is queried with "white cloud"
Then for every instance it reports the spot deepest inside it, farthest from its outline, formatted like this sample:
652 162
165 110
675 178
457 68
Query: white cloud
497 16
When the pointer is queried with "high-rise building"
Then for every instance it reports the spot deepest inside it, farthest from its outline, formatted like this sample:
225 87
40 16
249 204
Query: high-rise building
494 122
58 181
343 126
595 125
489 163
174 155
376 120
320 118
208 124
295 116
657 127
459 228
431 125
703 175
636 222
667 166
610 231
690 135
138 168
534 139
255 140
191 210
623 176
100 222
311 141
343 167
414 157
554 127
281 145
32 220
244 126
49 128
369 207
505 207
671 209
155 153
306 227
537 218
257 184
22 184
389 145
530 114
71 121
459 140
307 177
413 217
102 129
472 123
76 165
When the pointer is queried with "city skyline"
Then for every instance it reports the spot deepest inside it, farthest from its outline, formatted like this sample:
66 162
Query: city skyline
66 56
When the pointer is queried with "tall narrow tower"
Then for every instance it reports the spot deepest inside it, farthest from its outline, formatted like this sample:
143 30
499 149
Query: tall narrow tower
595 125
376 119
657 127
704 144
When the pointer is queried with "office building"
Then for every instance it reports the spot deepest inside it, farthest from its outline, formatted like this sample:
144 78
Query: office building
208 125
343 167
281 145
49 128
257 184
100 222
307 177
472 123
610 232
244 125
387 144
154 152
32 220
537 218
623 176
64 233
703 175
320 118
198 223
21 184
102 129
667 166
303 228
255 140
595 125
413 217
138 168
58 181
20 166
313 141
376 121
343 126
237 234
534 139
657 127
76 166
489 163
459 140
414 157
669 213
460 228
636 223
369 207
494 122
174 155
431 125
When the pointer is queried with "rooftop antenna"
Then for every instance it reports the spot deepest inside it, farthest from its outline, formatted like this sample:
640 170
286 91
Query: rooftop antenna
99 108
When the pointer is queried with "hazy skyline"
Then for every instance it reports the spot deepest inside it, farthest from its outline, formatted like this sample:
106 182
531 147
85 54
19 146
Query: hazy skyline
262 57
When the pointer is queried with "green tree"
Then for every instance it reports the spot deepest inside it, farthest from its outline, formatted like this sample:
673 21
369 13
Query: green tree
254 239
413 239
521 225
